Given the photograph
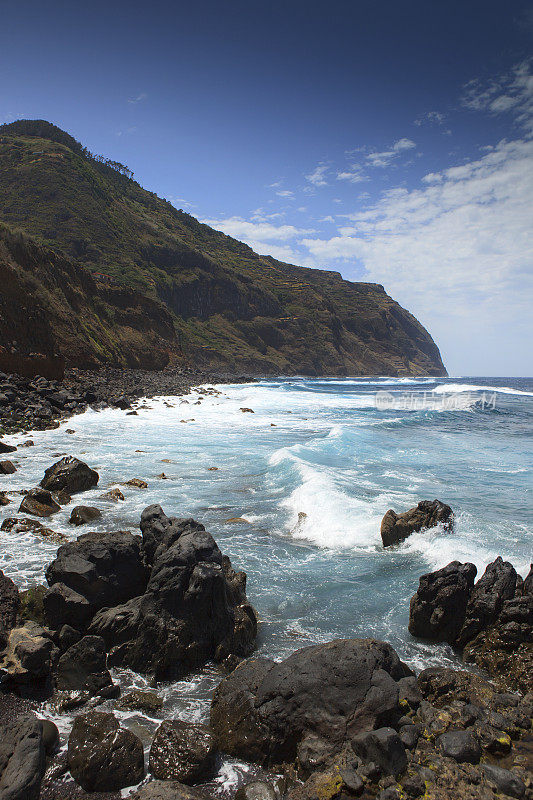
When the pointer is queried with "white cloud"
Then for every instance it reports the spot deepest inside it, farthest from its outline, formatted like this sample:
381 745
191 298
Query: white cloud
385 157
285 193
264 237
317 177
458 252
140 97
354 175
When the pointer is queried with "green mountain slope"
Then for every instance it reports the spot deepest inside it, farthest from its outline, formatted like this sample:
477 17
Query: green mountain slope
230 308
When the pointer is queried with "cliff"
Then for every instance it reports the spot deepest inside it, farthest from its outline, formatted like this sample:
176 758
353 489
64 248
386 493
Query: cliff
118 275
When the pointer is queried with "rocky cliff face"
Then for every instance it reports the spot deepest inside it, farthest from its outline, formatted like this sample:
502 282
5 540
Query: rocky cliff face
118 275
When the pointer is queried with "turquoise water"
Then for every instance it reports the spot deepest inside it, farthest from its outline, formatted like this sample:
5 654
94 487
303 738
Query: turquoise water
310 474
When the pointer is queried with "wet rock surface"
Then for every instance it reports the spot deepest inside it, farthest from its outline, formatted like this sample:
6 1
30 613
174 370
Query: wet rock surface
102 756
182 751
39 502
491 620
69 475
427 514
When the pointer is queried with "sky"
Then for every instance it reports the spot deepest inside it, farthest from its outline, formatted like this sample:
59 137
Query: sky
391 141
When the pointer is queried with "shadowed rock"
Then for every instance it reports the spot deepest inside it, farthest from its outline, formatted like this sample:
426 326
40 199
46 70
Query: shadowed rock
22 759
80 515
437 610
268 712
427 514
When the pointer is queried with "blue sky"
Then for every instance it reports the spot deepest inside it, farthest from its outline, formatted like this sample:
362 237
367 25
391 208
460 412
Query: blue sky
392 141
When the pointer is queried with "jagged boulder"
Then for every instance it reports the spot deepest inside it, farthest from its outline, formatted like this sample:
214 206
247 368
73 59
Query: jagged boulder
491 621
321 697
427 514
40 503
63 606
7 448
194 607
102 756
22 758
7 468
497 584
83 666
69 475
437 610
104 568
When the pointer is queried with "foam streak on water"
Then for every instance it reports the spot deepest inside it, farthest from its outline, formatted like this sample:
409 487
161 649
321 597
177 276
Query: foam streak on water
311 471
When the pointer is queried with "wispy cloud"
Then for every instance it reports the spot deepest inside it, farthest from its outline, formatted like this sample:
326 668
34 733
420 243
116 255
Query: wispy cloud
430 118
318 176
385 157
284 193
354 174
505 93
139 99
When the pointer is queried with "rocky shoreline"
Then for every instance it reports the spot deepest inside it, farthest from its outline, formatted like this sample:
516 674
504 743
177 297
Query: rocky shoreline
338 720
333 721
40 404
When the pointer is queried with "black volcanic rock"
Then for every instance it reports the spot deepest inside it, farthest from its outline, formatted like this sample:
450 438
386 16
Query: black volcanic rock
182 751
491 621
9 607
437 610
69 475
269 712
102 756
22 758
105 568
192 609
427 514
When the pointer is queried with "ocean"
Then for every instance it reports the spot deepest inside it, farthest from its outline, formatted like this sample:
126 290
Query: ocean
297 497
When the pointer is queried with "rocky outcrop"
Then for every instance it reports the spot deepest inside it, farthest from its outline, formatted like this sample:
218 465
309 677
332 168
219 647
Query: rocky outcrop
309 706
69 475
22 758
194 607
102 568
438 609
182 751
491 620
7 468
83 667
163 603
102 756
427 514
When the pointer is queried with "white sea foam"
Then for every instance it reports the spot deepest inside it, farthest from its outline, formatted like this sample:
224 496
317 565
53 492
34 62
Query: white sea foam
450 388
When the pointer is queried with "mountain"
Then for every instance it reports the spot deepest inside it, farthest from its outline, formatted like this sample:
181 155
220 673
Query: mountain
117 275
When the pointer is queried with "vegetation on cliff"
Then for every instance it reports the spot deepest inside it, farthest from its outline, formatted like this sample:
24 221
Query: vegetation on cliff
149 278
